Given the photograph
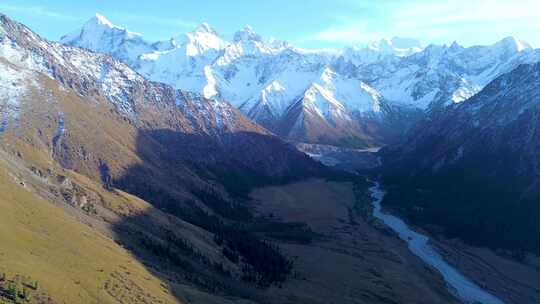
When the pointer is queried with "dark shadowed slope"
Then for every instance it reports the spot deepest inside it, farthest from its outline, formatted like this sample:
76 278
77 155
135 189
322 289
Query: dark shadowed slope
474 168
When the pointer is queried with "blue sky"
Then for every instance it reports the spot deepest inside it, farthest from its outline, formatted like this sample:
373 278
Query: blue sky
306 23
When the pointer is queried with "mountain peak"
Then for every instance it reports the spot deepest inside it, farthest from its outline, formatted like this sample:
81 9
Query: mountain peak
383 43
246 33
455 46
204 38
101 35
205 28
396 46
405 43
102 20
514 43
100 23
248 30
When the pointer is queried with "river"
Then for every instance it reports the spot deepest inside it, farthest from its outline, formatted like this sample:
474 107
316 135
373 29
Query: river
458 284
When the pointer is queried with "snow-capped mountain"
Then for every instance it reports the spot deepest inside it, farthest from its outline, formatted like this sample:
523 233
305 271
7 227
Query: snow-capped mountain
444 74
186 61
397 46
100 35
313 95
29 65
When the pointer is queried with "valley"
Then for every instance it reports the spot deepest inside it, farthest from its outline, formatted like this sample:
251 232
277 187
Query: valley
230 168
418 243
350 261
513 280
510 279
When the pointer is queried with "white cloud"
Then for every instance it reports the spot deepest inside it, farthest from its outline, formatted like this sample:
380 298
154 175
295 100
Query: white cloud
168 24
36 11
351 33
468 11
157 21
466 21
338 35
142 19
475 22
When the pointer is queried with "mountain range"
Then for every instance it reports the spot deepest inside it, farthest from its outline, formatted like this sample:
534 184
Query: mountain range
118 189
168 172
359 97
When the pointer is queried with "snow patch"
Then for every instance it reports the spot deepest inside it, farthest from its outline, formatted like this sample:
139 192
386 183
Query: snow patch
14 84
396 46
209 90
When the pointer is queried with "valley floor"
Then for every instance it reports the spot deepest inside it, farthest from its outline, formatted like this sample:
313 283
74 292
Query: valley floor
359 260
497 272
353 261
352 258
513 281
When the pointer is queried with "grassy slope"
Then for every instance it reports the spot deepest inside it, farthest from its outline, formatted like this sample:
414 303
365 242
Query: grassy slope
62 247
72 262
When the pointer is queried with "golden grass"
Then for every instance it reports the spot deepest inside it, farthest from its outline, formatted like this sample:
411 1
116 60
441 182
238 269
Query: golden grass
72 262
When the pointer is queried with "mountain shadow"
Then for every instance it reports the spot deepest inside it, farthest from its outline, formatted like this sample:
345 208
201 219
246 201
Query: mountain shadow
201 232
